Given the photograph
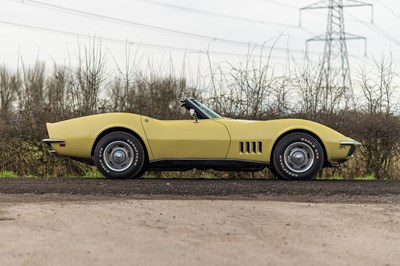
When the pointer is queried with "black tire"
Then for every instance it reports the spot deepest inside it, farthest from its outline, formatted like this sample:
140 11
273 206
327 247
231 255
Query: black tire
119 155
297 156
141 173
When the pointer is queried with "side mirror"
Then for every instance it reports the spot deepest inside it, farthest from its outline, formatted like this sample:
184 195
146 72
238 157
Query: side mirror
194 115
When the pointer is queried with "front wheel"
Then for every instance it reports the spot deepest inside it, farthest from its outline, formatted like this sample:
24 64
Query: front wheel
119 155
297 156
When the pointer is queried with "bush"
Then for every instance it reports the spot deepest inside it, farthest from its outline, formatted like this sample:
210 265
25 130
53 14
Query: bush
34 96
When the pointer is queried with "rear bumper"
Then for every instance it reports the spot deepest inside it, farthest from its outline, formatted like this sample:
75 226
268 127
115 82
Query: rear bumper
51 141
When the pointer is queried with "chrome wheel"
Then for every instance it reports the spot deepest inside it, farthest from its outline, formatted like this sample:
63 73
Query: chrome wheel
118 156
299 157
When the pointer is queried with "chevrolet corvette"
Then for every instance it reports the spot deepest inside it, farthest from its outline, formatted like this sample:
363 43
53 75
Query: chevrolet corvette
125 145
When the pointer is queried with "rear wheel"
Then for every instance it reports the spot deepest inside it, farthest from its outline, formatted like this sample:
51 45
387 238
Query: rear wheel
297 156
119 155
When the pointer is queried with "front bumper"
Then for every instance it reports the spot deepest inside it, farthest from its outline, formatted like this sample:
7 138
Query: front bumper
346 150
353 146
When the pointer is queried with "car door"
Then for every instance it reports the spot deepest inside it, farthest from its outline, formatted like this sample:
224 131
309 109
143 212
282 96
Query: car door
186 139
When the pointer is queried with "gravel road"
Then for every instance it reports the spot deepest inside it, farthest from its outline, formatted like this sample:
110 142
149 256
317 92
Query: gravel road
64 221
305 191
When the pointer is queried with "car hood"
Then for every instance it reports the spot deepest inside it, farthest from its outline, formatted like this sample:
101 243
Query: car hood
275 128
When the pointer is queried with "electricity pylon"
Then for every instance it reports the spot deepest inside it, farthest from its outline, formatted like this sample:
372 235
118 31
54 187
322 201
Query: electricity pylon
334 78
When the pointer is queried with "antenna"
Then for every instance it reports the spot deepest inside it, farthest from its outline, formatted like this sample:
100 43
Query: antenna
334 78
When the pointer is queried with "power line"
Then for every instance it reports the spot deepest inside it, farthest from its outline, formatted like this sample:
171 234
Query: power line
388 9
74 34
371 25
147 26
214 13
322 4
335 67
376 29
133 23
224 15
385 33
279 4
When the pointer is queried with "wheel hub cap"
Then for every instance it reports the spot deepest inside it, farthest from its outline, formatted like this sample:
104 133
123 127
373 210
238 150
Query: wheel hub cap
118 156
299 157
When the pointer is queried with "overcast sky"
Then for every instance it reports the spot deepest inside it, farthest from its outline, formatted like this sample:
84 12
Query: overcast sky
170 28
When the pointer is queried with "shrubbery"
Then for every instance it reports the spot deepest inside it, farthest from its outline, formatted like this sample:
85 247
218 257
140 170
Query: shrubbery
32 96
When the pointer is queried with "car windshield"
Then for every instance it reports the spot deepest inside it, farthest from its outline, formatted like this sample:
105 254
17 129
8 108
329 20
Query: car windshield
206 110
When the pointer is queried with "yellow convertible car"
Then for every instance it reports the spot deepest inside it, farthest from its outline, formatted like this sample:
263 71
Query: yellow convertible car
124 145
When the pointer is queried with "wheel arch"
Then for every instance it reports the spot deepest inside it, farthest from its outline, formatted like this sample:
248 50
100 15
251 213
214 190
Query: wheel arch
326 163
121 129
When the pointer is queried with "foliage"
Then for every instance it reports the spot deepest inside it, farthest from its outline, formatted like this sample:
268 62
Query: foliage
92 173
32 96
7 174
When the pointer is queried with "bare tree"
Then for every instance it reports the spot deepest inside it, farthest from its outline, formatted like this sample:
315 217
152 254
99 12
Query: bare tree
379 87
10 83
86 79
123 87
247 90
30 96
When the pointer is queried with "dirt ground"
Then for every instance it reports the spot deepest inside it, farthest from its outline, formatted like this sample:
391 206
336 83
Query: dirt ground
54 229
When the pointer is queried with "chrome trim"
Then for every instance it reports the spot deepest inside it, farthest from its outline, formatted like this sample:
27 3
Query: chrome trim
118 156
53 140
50 141
299 157
350 143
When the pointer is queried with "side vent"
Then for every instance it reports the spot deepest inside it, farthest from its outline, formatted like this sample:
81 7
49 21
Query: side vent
241 148
250 147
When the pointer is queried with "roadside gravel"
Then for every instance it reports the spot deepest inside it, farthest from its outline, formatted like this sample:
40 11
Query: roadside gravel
198 222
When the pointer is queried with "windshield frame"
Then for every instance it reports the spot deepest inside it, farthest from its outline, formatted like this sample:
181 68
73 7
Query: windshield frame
205 110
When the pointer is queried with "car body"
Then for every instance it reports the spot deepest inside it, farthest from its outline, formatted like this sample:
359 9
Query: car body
124 145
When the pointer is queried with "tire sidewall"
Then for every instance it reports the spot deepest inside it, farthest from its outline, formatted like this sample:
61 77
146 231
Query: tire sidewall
133 142
281 169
